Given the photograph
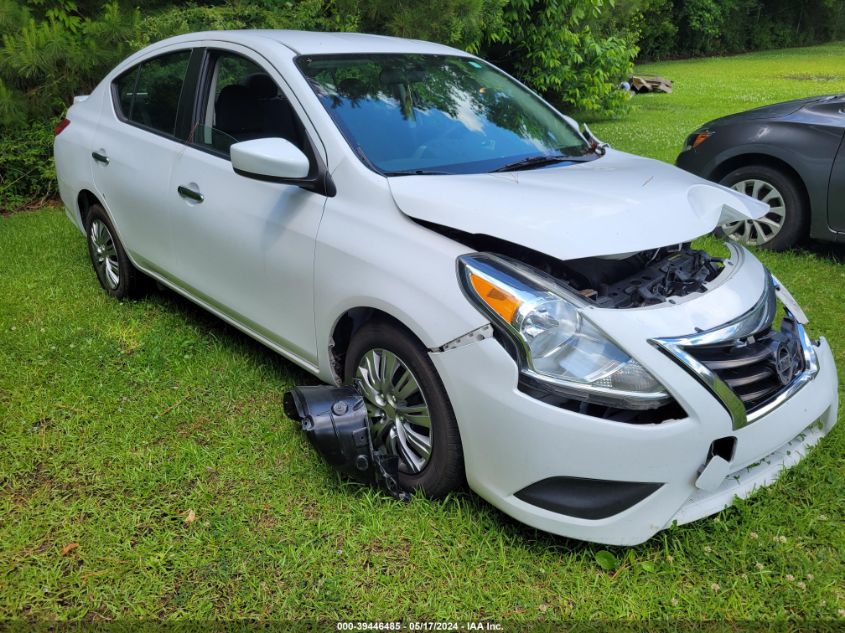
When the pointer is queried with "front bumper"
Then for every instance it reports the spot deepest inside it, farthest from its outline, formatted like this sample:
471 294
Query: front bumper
512 440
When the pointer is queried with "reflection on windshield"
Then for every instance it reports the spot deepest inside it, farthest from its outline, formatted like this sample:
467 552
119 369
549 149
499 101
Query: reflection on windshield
427 113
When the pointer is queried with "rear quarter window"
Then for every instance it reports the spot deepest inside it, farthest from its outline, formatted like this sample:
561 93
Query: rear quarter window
149 93
125 89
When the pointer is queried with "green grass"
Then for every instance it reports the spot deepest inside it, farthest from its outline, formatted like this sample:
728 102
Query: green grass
118 418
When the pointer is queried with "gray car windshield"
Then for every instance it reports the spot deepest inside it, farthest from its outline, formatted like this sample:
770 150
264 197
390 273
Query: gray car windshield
418 114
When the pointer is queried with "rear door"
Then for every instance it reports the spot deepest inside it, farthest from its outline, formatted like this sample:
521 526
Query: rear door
138 140
245 247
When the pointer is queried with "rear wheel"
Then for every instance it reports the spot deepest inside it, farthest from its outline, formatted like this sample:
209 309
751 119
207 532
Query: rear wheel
785 223
410 413
118 277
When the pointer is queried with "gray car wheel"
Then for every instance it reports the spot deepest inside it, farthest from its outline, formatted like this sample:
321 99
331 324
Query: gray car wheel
785 224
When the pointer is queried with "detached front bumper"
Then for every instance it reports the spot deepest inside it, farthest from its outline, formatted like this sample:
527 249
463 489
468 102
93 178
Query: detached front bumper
512 441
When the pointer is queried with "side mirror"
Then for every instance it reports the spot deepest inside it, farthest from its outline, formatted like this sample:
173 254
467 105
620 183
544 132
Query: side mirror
269 159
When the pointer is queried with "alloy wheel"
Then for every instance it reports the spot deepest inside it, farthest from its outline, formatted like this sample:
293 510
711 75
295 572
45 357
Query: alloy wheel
763 230
105 253
399 414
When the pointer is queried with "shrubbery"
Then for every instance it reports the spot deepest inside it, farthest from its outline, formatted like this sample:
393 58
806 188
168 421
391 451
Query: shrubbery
552 46
684 28
27 174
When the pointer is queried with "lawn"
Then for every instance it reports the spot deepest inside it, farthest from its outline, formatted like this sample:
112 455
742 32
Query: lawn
147 469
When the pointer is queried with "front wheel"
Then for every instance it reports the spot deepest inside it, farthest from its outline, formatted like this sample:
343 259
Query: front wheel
785 223
409 411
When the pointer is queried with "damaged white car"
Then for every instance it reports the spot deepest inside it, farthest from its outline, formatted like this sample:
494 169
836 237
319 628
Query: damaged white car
510 302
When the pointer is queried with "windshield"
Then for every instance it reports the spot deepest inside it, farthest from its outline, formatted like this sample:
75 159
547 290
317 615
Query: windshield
409 114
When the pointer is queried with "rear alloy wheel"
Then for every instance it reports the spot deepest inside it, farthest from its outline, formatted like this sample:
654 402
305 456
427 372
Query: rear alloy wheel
786 221
104 254
118 277
410 414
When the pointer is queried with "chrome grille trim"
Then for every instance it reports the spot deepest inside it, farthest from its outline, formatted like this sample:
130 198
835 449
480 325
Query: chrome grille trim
757 319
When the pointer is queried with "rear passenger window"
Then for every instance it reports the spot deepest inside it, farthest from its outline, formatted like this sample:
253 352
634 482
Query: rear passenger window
149 95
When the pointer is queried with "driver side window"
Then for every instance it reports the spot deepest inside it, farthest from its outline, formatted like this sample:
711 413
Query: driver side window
243 103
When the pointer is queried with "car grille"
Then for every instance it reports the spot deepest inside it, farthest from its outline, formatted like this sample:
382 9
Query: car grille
756 368
751 364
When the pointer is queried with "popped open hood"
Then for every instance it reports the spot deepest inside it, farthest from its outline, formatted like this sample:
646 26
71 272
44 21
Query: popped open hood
616 204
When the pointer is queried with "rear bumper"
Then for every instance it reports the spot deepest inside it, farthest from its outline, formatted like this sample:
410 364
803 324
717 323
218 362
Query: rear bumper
512 441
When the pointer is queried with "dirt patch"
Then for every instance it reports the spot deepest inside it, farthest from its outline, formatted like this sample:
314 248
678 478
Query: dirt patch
812 77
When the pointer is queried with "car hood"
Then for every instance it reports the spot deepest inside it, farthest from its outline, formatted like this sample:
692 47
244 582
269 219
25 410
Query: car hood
613 205
774 111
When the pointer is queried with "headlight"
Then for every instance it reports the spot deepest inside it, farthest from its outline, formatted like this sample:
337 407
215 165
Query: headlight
697 138
558 346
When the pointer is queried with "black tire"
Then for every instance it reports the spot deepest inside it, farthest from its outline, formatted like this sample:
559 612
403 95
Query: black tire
796 213
444 470
122 281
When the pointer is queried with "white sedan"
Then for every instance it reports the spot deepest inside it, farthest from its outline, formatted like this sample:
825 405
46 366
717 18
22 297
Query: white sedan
519 304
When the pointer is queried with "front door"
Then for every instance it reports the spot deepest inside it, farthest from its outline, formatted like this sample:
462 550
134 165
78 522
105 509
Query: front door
245 247
836 192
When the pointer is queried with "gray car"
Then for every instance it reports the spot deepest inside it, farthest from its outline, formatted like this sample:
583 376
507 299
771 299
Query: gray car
789 155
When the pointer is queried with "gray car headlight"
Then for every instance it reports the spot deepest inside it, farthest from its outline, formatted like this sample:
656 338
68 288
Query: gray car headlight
558 347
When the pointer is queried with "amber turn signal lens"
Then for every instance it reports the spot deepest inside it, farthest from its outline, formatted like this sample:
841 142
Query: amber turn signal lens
503 303
700 138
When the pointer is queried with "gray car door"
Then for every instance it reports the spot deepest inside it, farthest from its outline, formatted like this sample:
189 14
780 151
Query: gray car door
836 192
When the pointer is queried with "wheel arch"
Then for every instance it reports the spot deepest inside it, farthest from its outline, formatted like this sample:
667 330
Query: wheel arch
352 320
344 328
84 200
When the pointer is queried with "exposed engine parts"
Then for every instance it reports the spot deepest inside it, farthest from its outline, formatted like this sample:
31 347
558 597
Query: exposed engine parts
335 421
640 279
617 281
648 278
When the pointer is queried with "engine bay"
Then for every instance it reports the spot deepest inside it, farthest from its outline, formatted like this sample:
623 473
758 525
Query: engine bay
629 280
641 279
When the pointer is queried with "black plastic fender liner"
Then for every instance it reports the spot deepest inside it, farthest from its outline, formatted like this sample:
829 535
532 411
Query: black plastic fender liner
335 421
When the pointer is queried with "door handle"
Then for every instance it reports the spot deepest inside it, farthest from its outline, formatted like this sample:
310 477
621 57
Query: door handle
100 157
186 192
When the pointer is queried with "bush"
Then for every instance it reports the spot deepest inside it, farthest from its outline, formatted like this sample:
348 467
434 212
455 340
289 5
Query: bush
550 45
27 172
657 29
308 15
50 55
683 28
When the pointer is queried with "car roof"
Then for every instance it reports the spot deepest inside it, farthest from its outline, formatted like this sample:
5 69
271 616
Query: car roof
316 43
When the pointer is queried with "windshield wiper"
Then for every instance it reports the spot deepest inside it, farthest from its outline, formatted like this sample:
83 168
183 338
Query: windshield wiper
418 172
543 159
